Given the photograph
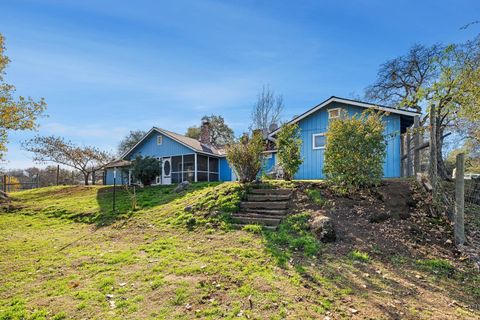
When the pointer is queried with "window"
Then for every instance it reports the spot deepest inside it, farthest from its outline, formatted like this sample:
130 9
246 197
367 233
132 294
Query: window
159 140
267 156
334 113
318 140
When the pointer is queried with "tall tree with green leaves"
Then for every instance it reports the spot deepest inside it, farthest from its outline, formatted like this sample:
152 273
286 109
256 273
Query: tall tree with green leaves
130 140
220 133
289 145
15 113
193 132
442 80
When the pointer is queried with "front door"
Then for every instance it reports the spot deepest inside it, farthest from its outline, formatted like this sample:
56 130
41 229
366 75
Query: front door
167 171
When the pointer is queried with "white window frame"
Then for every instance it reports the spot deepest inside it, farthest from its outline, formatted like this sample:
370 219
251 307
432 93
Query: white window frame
334 109
313 141
159 140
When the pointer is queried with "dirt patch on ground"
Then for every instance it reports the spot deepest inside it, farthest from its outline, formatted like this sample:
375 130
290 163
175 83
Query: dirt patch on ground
394 219
391 238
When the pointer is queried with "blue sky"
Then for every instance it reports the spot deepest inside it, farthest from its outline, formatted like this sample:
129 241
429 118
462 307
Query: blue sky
107 67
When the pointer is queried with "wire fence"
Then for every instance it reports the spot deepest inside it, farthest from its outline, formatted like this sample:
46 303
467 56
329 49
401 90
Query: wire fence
456 196
11 184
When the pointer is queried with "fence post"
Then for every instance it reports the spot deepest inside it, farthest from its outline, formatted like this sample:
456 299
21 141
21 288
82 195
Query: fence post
433 150
460 200
402 154
409 154
416 145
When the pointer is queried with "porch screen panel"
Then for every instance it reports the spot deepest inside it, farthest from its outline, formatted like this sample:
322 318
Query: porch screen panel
189 168
207 168
177 169
202 168
213 169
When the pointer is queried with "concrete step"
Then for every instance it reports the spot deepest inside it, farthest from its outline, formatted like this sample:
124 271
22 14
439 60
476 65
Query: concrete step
271 191
264 205
265 211
257 220
255 215
268 197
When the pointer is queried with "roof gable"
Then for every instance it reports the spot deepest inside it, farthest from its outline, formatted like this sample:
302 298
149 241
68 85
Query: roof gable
333 99
187 142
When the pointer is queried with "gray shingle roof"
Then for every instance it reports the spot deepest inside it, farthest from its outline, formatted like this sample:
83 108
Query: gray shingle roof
192 143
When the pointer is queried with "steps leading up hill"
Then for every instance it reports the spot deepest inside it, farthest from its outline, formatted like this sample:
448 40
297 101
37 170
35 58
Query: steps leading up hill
266 207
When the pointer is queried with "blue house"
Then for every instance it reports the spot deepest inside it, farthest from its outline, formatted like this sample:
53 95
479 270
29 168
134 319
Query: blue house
194 160
313 125
182 158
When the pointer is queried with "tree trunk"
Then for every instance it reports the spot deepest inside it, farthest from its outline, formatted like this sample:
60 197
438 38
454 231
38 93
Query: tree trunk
86 176
441 168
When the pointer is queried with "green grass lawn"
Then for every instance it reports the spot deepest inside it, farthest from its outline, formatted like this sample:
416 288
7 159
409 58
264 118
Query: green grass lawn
64 253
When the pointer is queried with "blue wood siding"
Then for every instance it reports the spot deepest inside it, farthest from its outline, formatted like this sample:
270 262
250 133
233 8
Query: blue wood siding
225 170
122 177
312 166
149 147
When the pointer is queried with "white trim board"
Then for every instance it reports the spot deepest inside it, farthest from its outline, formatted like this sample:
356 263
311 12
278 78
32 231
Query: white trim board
313 141
348 102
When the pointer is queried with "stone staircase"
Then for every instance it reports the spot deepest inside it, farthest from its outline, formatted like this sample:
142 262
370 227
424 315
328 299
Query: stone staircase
265 207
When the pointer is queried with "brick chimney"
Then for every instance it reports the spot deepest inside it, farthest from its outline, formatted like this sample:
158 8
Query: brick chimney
205 137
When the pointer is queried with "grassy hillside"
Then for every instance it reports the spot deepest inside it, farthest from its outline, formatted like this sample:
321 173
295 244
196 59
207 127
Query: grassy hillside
65 254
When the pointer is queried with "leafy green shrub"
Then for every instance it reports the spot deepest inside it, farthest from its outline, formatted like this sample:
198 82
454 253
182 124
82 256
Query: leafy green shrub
316 196
246 157
289 144
146 169
355 150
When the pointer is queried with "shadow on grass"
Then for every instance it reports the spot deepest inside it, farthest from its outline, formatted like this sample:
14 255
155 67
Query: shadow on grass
147 197
101 211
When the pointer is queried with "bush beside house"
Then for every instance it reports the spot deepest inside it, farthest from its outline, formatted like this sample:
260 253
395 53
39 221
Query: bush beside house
146 169
246 157
289 144
355 150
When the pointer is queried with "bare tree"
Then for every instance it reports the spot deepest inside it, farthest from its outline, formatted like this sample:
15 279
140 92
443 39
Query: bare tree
58 150
401 81
443 78
267 110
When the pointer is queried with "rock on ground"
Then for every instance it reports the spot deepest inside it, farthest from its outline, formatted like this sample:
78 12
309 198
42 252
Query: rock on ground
323 228
182 186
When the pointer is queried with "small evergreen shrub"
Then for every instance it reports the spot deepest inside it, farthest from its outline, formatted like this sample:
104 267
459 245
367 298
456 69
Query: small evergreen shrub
246 157
289 144
146 169
355 150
